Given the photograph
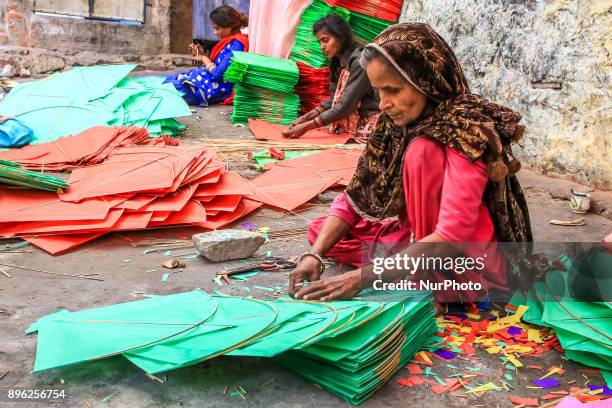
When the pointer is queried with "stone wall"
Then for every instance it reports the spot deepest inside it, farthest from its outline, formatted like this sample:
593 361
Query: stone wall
33 43
549 60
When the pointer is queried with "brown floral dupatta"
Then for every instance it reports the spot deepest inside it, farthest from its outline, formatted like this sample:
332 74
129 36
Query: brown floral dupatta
466 122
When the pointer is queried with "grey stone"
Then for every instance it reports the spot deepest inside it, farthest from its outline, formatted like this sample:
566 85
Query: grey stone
8 71
225 245
47 63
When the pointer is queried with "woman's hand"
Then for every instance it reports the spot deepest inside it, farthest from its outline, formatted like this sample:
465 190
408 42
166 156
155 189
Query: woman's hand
297 131
308 269
344 286
305 118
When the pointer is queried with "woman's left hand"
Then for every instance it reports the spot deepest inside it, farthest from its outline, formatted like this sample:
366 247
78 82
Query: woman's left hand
343 286
296 131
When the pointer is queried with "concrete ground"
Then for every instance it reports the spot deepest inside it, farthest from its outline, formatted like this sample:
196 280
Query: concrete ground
128 274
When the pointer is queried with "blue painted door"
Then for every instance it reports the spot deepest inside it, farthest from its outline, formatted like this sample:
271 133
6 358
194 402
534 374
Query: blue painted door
202 27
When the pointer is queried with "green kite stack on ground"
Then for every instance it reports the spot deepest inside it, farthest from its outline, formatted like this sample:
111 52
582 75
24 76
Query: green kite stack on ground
70 102
581 323
349 347
355 363
264 88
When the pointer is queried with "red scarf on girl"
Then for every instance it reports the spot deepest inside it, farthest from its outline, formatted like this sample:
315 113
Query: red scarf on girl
244 40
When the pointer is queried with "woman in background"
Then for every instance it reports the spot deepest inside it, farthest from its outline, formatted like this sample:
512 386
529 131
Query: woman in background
353 106
204 85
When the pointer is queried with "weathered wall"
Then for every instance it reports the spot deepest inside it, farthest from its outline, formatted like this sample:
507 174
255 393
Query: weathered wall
32 43
517 52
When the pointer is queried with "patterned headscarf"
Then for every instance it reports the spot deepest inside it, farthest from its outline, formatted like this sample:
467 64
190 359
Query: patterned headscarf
464 121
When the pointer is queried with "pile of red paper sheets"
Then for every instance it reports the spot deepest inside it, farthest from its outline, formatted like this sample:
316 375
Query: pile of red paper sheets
313 86
274 133
91 146
137 187
291 183
388 10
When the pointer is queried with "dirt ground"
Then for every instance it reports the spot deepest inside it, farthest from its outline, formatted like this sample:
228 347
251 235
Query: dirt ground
128 274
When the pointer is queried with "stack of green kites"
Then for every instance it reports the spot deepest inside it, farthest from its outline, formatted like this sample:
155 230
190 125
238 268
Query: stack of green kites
70 102
351 348
307 49
365 27
264 88
12 173
357 362
583 327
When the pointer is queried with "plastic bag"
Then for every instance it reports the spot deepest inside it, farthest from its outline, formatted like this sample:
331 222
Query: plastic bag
14 133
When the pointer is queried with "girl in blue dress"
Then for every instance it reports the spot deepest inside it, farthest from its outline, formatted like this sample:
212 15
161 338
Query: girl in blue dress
205 85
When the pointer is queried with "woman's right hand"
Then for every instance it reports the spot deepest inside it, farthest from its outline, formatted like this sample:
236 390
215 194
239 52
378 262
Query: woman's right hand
307 270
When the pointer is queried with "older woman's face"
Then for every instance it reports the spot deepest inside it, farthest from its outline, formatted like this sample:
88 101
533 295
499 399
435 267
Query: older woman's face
398 99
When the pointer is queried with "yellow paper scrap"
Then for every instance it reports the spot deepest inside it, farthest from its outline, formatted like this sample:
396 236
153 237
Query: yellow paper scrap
520 312
483 388
493 350
515 362
534 335
552 371
425 357
595 392
473 316
466 329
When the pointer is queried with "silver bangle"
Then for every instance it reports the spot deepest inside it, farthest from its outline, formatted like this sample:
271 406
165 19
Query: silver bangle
318 258
209 65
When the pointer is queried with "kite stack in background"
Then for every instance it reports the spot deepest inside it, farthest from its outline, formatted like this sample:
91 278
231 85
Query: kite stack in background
582 325
388 10
313 86
366 27
350 348
137 187
264 88
73 101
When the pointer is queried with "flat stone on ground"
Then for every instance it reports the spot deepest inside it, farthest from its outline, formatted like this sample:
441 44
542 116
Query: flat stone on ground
225 245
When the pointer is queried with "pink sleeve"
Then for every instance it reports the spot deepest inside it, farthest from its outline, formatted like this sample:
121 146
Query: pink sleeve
342 209
462 190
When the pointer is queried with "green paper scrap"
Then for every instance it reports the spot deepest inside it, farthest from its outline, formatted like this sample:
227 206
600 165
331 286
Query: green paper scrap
350 348
165 277
69 102
263 157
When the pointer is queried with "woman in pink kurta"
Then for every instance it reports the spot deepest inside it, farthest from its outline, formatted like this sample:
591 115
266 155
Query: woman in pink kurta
437 169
